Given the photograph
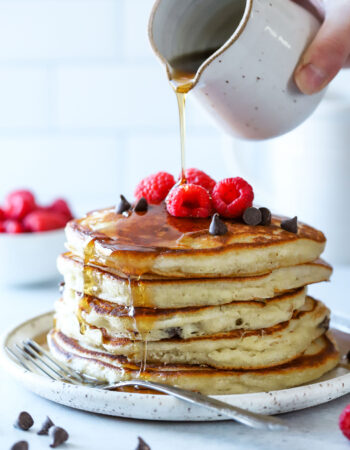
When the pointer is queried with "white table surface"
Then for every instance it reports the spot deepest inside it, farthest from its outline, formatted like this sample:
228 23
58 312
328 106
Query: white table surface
315 428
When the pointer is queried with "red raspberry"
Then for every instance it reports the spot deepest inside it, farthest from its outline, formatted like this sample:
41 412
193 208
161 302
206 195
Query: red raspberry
2 227
13 227
2 214
155 188
44 221
61 206
200 178
344 422
232 196
189 200
19 203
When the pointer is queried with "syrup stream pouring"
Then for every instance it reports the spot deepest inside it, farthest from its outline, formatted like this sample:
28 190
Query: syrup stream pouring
33 357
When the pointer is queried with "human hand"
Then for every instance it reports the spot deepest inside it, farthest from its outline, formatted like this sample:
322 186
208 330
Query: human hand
330 50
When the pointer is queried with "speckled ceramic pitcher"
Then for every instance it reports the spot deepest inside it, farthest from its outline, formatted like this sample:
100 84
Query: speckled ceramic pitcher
247 83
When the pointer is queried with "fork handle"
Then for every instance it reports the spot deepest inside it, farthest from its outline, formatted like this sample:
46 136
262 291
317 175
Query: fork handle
240 415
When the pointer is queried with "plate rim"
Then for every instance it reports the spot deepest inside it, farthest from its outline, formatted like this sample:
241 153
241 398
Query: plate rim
26 377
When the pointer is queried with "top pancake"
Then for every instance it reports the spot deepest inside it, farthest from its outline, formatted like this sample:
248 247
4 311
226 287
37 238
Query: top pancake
154 242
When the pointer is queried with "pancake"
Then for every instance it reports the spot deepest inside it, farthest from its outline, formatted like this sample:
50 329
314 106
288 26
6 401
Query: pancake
154 242
156 324
178 293
320 357
238 349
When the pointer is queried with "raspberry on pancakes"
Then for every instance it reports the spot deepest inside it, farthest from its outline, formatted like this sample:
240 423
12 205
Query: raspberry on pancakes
155 188
189 200
232 196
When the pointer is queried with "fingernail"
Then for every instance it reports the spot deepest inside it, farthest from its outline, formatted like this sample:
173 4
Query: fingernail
311 79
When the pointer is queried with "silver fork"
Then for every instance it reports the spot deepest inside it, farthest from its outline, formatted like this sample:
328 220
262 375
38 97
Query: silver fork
33 357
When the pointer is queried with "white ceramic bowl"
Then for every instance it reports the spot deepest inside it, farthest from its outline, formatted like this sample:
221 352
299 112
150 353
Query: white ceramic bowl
30 258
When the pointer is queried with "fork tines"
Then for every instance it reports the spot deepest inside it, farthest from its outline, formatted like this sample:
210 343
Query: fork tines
33 357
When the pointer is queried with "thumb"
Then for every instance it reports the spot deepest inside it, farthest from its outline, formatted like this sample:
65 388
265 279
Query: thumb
328 52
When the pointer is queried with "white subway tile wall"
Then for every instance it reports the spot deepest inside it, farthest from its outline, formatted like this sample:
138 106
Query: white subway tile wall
85 106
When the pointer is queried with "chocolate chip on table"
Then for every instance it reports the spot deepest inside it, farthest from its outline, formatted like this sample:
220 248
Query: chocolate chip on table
59 436
142 445
47 424
21 445
252 216
123 206
24 421
217 226
265 217
141 205
290 225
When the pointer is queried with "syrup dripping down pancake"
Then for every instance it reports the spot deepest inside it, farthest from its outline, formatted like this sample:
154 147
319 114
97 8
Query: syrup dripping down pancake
184 323
159 292
320 357
236 349
154 242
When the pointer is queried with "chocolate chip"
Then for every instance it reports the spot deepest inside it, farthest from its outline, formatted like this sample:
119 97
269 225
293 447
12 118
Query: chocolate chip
348 356
239 322
324 324
290 225
141 205
174 332
21 445
59 436
123 206
61 287
217 226
265 217
142 445
47 424
24 421
252 216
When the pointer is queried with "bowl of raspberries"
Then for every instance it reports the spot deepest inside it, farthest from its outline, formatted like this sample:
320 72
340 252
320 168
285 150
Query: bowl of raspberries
31 237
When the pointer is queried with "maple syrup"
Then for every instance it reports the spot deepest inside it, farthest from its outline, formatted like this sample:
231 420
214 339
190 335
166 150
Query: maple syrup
154 231
182 72
159 230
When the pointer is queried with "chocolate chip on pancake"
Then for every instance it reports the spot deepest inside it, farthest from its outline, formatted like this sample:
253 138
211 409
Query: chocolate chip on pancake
47 424
290 225
141 205
142 445
21 445
325 323
252 216
61 287
24 421
174 332
123 206
217 226
265 217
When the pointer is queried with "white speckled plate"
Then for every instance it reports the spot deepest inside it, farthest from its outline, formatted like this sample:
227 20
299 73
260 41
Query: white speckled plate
163 407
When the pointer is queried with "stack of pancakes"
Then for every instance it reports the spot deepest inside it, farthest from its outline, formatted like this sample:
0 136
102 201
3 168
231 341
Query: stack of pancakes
156 297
